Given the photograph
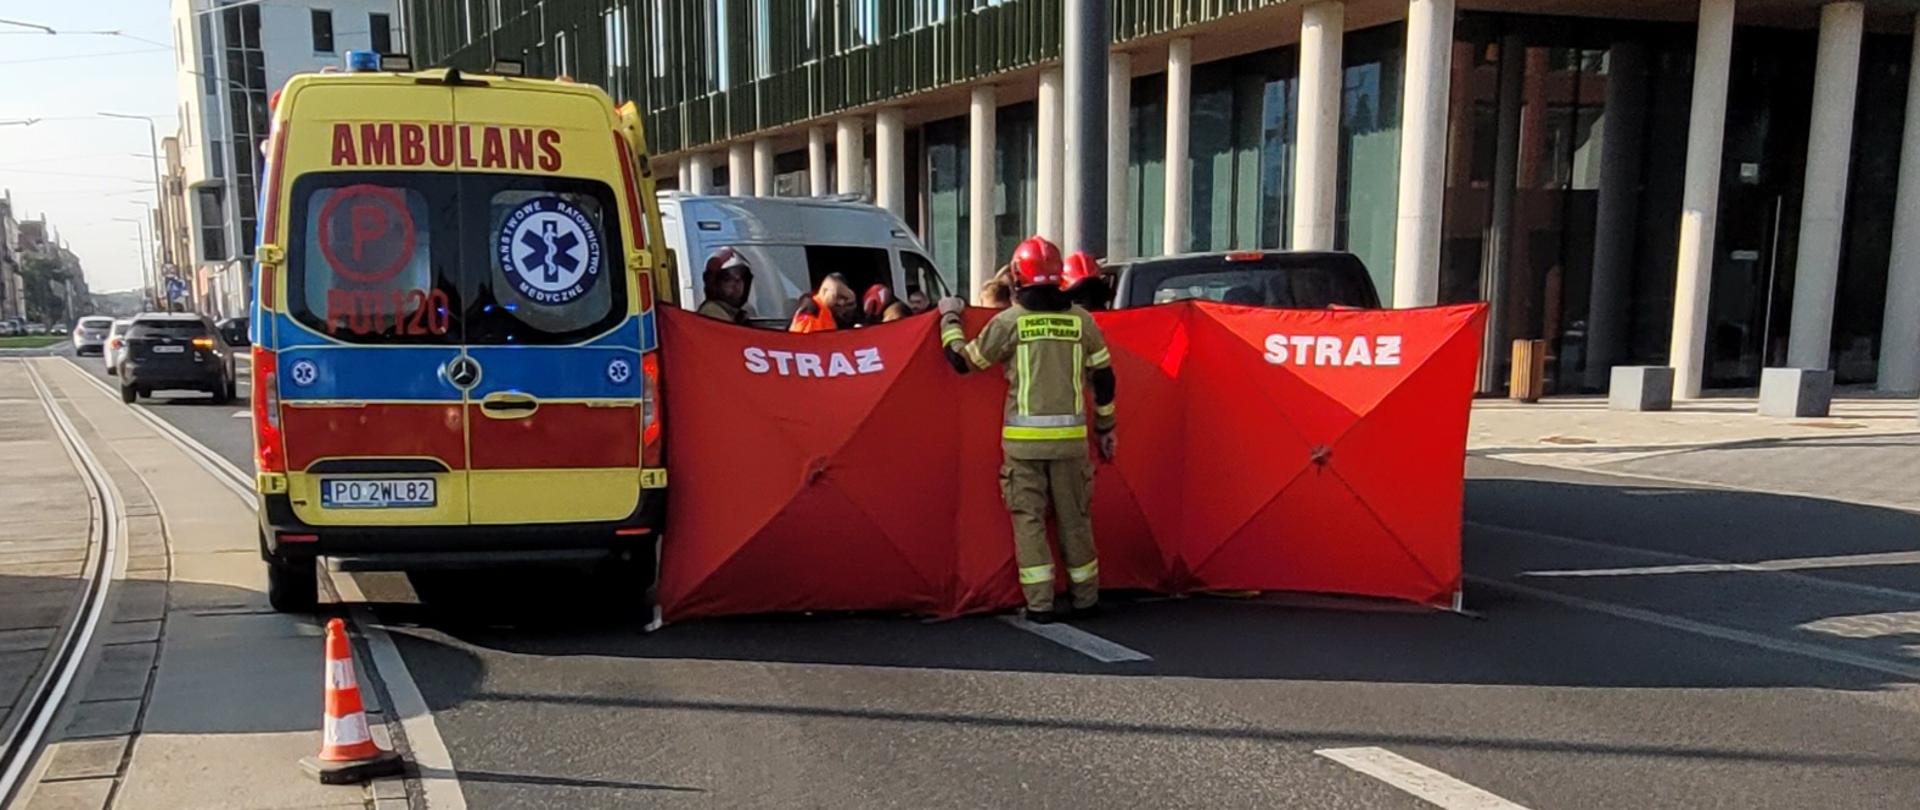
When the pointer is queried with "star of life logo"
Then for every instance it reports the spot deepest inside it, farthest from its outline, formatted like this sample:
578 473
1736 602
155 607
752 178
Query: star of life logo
549 251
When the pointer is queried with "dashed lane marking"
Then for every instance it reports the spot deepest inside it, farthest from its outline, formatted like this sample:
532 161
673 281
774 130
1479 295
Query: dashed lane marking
1415 779
242 415
1080 641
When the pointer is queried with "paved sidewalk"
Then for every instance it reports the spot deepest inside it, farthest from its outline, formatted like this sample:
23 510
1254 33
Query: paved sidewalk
221 697
1867 452
44 537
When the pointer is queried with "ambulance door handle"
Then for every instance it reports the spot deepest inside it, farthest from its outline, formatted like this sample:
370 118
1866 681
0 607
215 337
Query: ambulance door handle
509 405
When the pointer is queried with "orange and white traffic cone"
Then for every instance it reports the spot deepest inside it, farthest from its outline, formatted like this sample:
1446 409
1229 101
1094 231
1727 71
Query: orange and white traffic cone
347 751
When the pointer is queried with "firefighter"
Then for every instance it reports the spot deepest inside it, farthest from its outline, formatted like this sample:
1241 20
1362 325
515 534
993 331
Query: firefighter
1084 283
1051 349
728 280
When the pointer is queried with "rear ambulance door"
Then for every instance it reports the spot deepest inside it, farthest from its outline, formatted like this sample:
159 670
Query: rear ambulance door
554 320
370 368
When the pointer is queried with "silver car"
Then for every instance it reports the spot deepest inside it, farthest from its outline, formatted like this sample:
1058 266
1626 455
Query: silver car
90 334
116 347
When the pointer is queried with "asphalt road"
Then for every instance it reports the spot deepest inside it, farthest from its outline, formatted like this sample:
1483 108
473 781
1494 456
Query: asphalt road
1617 660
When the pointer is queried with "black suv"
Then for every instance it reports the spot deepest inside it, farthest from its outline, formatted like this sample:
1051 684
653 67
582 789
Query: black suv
1259 278
176 351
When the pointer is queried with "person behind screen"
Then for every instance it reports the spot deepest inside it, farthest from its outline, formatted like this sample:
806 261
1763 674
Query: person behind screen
833 306
880 306
917 302
729 280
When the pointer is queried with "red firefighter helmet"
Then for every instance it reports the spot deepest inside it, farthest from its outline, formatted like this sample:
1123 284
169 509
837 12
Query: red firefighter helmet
1080 268
1036 262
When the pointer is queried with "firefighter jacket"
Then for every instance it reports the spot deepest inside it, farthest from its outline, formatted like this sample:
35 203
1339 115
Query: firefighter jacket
1048 357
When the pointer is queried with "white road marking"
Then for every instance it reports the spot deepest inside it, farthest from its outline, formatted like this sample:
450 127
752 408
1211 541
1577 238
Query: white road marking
242 415
439 783
1689 559
1420 781
1804 649
1080 641
1789 564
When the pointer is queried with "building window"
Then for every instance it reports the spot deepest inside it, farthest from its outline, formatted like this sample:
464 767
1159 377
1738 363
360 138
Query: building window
247 120
213 225
619 57
217 159
660 38
207 77
380 30
322 31
762 38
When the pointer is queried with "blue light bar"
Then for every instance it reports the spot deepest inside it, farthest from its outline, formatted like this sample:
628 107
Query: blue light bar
362 61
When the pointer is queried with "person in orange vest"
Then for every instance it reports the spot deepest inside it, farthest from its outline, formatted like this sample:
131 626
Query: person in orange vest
834 306
1052 351
1085 285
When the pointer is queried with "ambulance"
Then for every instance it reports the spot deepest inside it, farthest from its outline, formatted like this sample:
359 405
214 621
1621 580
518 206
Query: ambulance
455 360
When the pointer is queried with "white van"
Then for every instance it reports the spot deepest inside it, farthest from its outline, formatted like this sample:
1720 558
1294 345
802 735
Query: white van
792 243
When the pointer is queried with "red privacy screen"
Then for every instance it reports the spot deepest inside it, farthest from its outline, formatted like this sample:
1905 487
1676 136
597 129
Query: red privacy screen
1260 449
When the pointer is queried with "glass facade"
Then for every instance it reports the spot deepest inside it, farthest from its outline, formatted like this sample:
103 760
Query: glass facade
948 207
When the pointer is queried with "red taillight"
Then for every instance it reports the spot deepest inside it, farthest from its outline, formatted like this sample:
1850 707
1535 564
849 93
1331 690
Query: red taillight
268 452
633 531
650 411
298 538
1246 256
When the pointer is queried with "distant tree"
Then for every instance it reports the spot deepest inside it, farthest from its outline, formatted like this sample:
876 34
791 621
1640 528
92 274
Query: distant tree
46 287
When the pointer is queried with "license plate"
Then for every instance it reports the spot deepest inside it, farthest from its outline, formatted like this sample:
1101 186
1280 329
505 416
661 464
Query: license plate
169 349
376 493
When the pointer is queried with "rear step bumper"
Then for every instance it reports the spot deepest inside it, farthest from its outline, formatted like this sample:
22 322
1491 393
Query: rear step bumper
390 547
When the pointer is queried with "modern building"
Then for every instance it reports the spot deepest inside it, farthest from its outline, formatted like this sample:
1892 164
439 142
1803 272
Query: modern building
1715 185
230 56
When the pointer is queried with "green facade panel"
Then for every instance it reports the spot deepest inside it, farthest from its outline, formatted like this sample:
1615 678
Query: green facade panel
705 71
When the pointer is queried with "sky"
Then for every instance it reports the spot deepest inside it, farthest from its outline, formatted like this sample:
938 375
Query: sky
82 171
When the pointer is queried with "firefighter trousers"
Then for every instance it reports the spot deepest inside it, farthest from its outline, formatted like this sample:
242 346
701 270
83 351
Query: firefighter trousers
1029 485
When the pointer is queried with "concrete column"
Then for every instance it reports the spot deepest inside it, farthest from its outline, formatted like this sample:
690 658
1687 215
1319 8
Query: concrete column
1317 140
981 116
686 181
700 173
1700 197
890 161
1823 207
850 156
1900 331
1087 39
1119 152
1179 115
1423 153
740 170
763 167
1049 197
819 183
1609 316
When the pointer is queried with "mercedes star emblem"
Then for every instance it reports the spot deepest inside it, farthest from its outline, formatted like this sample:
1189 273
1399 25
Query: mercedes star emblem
463 372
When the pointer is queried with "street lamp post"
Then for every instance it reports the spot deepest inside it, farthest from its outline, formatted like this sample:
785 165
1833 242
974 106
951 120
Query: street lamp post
159 189
139 235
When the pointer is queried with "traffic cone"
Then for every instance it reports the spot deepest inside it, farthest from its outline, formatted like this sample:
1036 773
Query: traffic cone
347 751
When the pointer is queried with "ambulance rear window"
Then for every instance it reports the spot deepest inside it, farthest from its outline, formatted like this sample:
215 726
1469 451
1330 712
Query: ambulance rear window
363 265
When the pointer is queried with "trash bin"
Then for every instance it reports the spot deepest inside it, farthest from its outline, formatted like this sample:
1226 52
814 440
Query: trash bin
1528 381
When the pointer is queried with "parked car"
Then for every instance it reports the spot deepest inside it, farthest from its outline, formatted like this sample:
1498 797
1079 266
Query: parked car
1264 278
176 351
235 331
11 327
116 348
90 334
792 243
36 329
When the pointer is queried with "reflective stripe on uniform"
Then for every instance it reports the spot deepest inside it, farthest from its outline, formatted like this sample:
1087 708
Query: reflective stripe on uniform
1059 420
951 335
973 356
1043 433
1103 410
1024 360
1084 573
1078 375
1099 359
1036 574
